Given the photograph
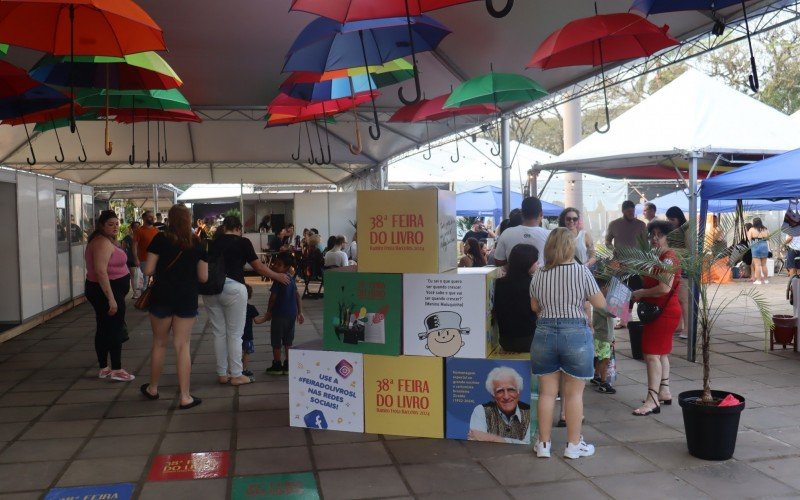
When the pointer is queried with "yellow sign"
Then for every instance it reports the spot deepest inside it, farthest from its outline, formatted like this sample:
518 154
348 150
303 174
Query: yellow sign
404 396
406 231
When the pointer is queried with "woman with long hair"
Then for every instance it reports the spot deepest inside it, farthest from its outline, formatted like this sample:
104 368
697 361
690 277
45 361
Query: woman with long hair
660 290
516 320
473 255
227 310
584 245
758 236
178 263
107 284
678 237
563 344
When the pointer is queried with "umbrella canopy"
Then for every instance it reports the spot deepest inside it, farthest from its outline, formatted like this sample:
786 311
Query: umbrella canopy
601 39
487 201
494 88
681 200
773 179
433 110
31 101
14 81
648 7
101 27
357 10
136 99
45 126
326 45
165 115
290 106
145 70
328 89
391 72
45 115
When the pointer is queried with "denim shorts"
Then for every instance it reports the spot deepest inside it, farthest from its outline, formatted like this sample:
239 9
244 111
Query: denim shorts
162 312
563 344
760 249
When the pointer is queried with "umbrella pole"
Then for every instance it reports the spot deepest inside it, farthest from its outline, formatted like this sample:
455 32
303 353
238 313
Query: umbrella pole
417 86
132 156
605 94
164 128
60 149
427 136
148 138
108 145
72 126
458 153
33 154
83 149
499 13
299 140
753 77
375 135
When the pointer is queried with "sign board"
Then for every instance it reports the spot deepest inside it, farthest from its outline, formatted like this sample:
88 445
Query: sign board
119 491
450 314
301 486
489 400
190 466
404 396
326 390
363 312
407 231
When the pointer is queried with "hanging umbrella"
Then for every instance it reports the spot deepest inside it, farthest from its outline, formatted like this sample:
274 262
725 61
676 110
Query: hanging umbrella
79 27
47 116
598 40
4 49
393 71
648 7
167 115
329 89
145 70
326 45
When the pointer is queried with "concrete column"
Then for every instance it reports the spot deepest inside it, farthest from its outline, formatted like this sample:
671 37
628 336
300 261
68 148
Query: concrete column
505 164
573 181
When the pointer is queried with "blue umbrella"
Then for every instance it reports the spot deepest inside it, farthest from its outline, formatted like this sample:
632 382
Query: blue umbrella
38 98
327 45
487 201
336 88
648 7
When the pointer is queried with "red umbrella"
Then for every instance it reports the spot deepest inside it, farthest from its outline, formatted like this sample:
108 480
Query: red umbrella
127 115
14 81
601 39
46 115
359 10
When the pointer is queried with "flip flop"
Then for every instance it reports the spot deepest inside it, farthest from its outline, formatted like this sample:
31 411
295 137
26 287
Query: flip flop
143 390
223 380
237 384
620 327
195 402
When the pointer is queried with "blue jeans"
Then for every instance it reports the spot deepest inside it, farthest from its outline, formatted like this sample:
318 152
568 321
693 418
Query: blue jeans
563 344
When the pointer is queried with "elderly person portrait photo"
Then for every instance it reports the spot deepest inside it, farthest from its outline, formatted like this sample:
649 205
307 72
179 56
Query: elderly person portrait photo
503 419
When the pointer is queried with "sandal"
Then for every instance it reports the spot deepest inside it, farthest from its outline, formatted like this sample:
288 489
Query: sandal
223 380
147 394
664 401
620 327
248 380
643 413
195 402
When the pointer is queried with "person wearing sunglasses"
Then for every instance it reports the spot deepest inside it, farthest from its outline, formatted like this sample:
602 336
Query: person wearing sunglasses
584 245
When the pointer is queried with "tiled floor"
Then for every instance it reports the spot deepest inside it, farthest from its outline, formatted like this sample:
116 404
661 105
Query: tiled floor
60 426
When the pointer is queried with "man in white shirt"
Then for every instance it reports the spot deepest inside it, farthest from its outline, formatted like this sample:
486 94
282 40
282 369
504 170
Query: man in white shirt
336 257
529 233
649 212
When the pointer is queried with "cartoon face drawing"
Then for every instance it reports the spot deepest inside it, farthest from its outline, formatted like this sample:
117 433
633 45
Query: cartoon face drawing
444 335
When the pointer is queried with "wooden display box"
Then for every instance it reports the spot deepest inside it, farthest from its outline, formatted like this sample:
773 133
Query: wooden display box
407 231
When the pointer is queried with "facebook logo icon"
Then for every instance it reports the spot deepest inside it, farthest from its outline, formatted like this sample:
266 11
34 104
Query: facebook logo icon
315 420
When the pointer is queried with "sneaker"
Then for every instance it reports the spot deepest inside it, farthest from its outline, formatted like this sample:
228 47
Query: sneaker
542 449
121 375
578 450
104 372
275 369
757 282
606 388
596 381
247 373
766 282
286 367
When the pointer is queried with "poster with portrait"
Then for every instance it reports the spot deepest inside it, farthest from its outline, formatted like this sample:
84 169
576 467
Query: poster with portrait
326 390
489 400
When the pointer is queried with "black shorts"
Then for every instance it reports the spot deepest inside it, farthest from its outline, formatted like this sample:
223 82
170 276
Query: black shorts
282 331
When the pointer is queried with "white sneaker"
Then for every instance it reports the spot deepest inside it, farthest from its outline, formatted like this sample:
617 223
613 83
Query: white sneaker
578 450
766 282
121 375
757 282
542 449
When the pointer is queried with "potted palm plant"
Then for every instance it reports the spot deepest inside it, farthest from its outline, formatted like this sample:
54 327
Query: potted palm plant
711 428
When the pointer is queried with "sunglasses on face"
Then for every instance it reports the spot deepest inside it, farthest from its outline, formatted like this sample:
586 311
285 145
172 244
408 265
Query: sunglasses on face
571 219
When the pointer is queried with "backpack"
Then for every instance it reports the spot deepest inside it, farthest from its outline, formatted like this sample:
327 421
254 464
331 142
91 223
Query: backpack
216 272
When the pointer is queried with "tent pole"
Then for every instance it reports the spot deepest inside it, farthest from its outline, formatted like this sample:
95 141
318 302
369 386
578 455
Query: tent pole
691 343
505 164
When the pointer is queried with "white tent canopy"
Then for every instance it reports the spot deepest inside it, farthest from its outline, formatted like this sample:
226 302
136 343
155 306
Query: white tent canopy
693 113
230 57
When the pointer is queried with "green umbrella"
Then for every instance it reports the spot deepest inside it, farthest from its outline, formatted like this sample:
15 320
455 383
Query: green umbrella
4 49
63 122
133 99
494 88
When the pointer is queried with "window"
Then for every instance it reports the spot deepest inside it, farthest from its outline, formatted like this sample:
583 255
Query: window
88 219
76 234
61 221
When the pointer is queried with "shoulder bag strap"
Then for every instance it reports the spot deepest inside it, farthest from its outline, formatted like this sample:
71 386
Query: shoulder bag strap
174 261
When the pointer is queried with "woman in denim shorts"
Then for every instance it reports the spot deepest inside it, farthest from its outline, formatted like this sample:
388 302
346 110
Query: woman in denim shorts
563 340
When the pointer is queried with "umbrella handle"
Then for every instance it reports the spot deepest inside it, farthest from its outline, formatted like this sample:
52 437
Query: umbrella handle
83 149
313 158
60 149
499 13
148 139
496 152
109 146
132 156
299 139
158 144
427 155
164 128
327 140
30 162
605 94
752 79
458 154
319 139
358 148
417 87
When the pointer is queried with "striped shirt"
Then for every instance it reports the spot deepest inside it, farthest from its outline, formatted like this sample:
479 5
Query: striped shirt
563 290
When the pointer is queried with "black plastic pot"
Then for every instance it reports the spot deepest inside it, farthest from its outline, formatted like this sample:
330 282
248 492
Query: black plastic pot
710 430
635 329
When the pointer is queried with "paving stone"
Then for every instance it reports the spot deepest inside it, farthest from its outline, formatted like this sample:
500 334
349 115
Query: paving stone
670 455
37 398
733 480
333 437
103 471
10 430
89 396
415 451
28 476
54 430
784 470
142 408
751 445
266 387
567 489
342 456
185 490
40 451
194 442
660 485
132 425
263 402
273 460
447 477
354 484
517 470
271 437
642 429
189 422
479 449
38 385
789 435
766 418
29 495
20 413
269 418
485 494
119 446
609 460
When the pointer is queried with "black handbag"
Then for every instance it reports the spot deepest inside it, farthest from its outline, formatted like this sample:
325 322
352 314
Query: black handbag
649 312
